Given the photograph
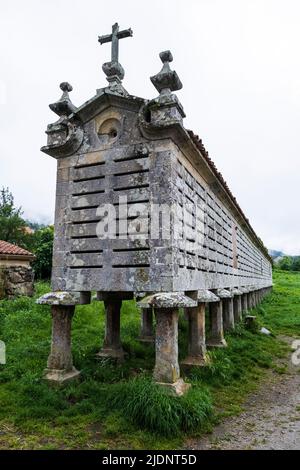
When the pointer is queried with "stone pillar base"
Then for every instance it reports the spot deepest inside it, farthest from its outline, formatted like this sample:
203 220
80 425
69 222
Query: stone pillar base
61 376
177 388
117 354
195 361
215 343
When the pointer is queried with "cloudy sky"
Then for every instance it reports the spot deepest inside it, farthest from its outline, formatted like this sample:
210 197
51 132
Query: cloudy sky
239 62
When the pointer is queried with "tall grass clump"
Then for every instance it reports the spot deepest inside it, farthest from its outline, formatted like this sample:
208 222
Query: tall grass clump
145 404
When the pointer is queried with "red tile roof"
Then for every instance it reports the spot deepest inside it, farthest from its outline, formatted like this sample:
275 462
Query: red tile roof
10 249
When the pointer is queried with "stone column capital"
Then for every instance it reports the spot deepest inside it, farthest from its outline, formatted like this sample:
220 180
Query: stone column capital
64 298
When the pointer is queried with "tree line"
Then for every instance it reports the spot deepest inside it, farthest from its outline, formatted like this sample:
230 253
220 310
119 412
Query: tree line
34 237
288 263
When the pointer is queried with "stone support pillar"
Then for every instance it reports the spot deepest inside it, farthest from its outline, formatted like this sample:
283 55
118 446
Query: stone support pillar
196 337
253 299
216 322
147 334
237 308
60 364
60 367
112 346
167 372
166 353
228 316
245 303
249 300
256 298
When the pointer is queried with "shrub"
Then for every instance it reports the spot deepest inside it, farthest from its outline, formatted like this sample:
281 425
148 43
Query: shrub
145 404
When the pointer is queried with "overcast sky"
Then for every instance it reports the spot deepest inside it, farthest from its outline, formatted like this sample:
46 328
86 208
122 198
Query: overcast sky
238 60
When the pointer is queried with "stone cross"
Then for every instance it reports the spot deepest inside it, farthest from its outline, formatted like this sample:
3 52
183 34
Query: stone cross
114 39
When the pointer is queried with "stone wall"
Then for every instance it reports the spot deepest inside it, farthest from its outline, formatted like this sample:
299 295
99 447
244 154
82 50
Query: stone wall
16 281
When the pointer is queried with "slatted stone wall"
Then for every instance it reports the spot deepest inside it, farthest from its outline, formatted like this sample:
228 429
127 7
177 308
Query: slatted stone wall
214 250
81 257
206 248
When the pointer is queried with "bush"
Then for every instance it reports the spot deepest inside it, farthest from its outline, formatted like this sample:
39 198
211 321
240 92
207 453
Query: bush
43 251
145 404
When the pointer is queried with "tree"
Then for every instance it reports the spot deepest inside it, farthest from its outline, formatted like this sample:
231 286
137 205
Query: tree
43 250
13 230
296 263
34 225
11 223
285 263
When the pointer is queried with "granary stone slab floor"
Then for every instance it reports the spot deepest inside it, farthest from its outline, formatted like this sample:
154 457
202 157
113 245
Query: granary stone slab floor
271 419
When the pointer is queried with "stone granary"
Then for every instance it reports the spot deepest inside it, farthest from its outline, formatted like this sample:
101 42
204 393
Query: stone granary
142 212
16 275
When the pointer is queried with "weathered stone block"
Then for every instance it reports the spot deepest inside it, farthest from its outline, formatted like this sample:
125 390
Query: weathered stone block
16 281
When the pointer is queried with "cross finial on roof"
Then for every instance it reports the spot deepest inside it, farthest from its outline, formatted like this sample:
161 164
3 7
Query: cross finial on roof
113 69
114 39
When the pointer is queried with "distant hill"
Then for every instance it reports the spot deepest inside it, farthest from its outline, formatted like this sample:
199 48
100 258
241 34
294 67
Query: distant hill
276 255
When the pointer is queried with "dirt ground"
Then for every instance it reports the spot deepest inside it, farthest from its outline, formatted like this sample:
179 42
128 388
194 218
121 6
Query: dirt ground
271 419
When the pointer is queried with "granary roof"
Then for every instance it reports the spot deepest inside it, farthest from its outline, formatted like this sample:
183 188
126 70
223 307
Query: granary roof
10 250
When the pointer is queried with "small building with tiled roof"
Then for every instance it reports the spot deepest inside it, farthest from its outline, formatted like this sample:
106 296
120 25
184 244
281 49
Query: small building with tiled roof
16 275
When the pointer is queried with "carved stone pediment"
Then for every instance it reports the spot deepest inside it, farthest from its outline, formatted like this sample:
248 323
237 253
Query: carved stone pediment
65 136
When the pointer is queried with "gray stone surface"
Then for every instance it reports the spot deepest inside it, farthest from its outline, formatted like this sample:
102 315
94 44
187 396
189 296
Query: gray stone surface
112 346
166 346
167 300
216 338
177 388
120 153
16 281
207 296
245 303
236 291
64 298
237 308
166 80
196 337
60 367
223 294
147 330
228 314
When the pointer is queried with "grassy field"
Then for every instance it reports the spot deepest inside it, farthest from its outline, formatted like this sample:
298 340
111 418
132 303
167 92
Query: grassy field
118 406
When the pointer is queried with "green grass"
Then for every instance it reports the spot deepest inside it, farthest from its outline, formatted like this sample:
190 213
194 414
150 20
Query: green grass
119 406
